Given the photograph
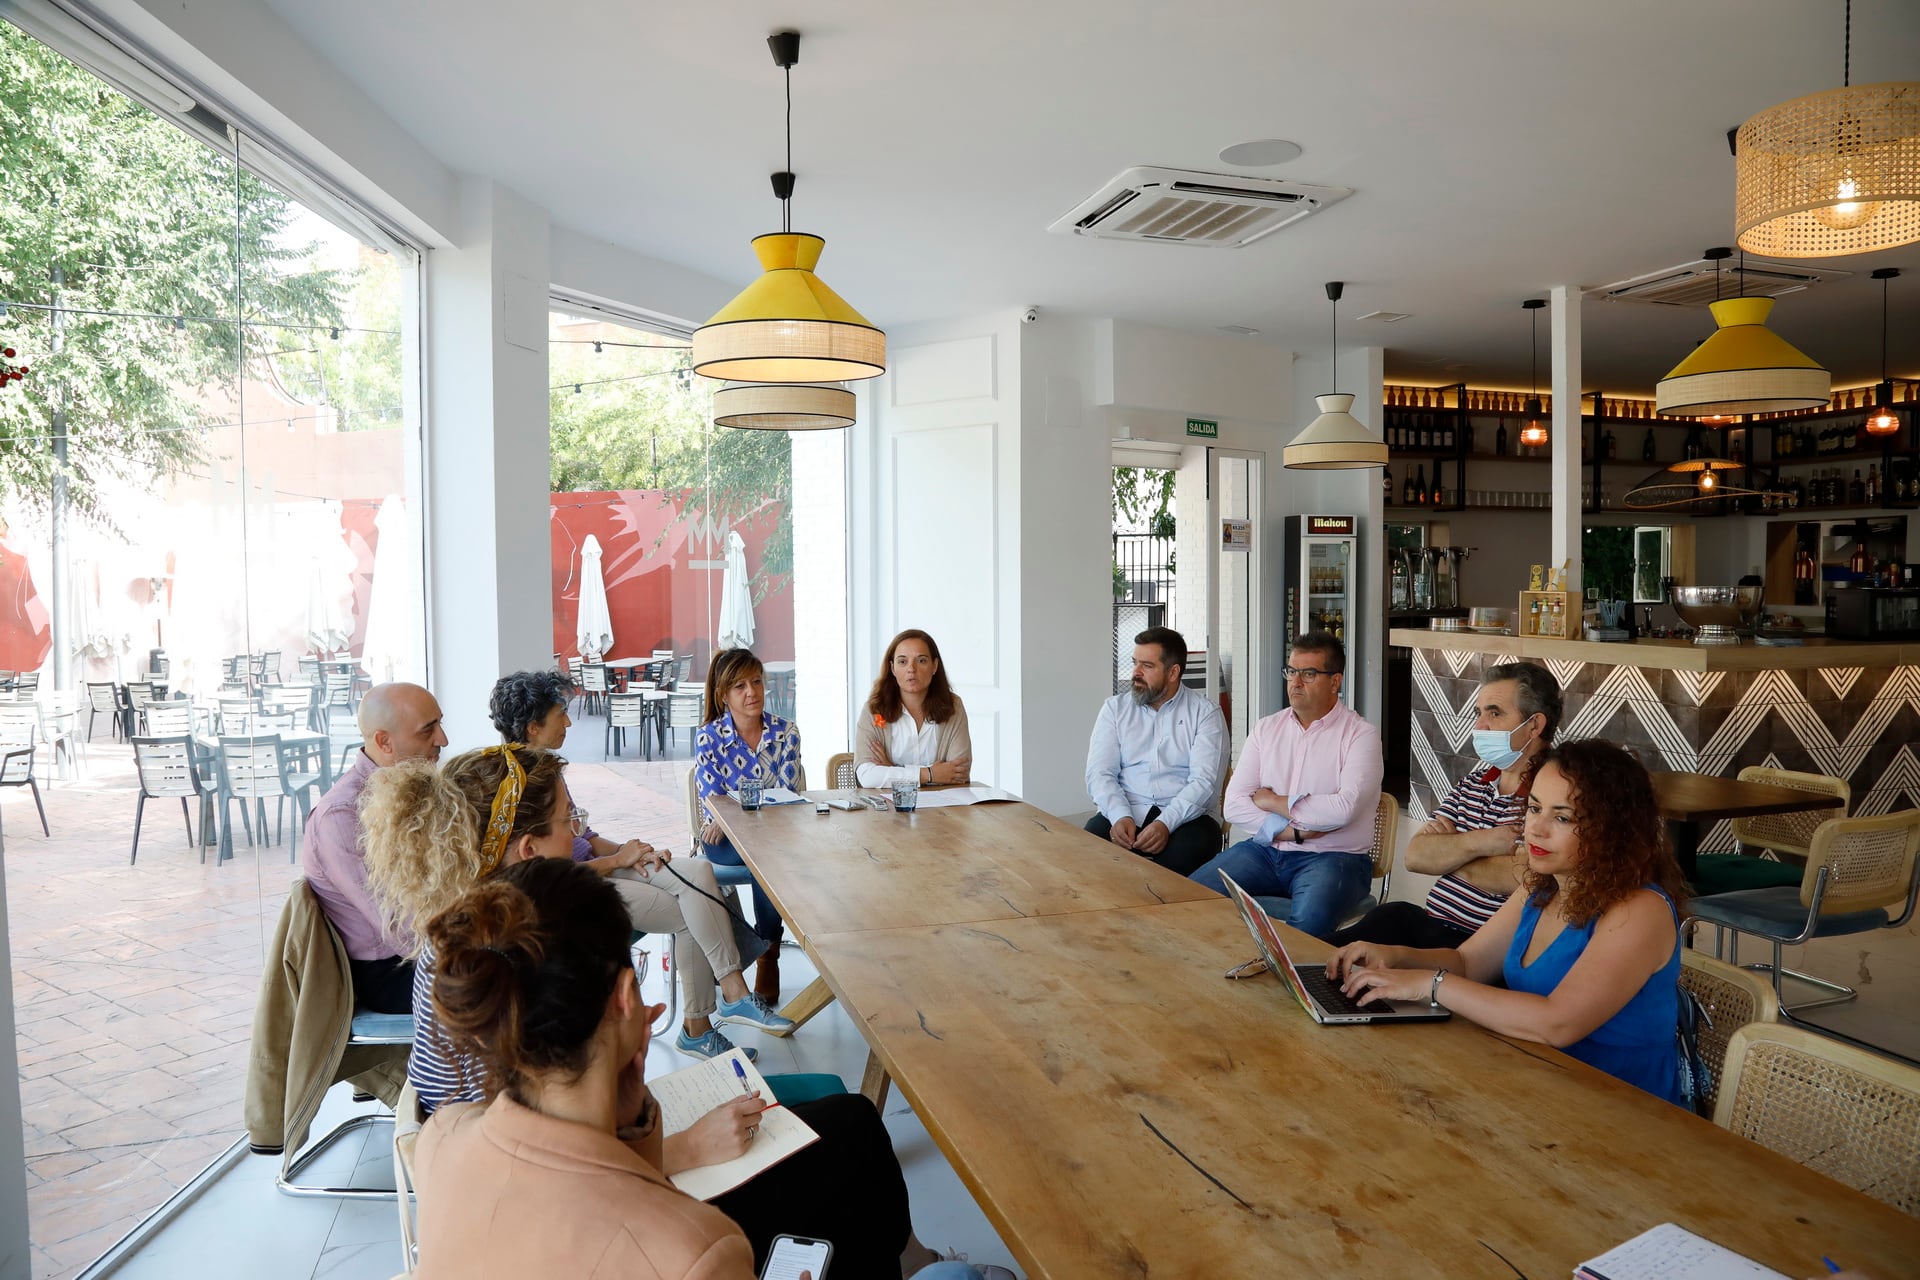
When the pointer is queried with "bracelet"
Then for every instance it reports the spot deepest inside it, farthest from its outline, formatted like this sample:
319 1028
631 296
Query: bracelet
1433 992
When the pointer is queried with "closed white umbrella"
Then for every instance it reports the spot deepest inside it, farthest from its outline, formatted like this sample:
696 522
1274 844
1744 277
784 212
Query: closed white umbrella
593 625
329 597
394 637
736 596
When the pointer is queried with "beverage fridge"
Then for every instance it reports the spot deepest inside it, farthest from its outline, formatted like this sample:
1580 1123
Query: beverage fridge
1322 557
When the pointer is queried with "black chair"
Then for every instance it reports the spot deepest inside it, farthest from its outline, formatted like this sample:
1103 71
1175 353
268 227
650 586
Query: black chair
16 770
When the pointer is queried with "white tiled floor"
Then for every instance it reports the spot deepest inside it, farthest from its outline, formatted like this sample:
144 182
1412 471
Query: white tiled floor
242 1229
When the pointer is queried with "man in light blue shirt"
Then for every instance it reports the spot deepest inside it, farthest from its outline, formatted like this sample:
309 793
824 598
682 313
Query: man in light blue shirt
1156 760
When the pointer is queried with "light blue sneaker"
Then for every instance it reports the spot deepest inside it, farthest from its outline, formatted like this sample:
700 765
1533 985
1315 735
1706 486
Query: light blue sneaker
753 1010
710 1045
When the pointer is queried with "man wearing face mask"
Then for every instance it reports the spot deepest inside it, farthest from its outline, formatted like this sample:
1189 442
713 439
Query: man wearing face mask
1470 842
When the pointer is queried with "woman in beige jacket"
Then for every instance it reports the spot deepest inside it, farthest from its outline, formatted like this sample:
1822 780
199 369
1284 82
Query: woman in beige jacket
914 727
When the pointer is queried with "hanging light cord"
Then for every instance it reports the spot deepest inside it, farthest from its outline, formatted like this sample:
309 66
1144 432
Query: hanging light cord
1333 305
1883 333
786 202
1846 53
1533 350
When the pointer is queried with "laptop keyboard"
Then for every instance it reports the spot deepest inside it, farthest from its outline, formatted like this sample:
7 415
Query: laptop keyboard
1329 994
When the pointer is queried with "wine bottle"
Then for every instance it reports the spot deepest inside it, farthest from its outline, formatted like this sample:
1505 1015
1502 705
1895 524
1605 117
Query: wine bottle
1857 490
1386 485
1406 491
1420 485
1607 445
1646 447
1500 440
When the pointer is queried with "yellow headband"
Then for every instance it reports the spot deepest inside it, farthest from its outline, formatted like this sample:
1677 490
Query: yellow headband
506 803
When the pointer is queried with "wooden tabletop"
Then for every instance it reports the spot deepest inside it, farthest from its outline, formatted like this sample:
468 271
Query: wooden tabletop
1699 797
1118 1109
868 870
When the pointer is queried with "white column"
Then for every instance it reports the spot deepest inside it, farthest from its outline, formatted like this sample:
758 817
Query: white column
1567 516
490 573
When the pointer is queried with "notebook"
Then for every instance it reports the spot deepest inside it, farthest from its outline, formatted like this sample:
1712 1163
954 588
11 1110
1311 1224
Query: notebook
685 1096
1320 997
1670 1252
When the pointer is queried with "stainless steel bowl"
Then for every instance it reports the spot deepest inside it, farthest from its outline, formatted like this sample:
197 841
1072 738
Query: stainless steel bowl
1716 612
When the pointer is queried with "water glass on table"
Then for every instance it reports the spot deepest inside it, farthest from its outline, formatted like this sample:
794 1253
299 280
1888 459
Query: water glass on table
749 796
906 796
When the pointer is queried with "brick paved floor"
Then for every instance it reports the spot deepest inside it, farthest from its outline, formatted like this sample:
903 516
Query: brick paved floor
134 986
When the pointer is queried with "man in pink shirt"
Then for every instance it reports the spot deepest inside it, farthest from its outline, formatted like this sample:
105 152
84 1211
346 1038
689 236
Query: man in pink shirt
397 722
1308 784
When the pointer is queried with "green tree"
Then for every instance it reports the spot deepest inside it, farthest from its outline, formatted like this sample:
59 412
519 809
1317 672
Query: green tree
106 208
641 419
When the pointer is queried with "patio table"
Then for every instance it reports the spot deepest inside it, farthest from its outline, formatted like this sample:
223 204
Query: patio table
307 752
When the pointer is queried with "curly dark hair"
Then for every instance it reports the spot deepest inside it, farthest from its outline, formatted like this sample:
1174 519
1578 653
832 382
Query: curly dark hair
1623 843
524 698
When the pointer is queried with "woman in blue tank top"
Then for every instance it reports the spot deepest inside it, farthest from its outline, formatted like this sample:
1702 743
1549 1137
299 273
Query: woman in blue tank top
1588 947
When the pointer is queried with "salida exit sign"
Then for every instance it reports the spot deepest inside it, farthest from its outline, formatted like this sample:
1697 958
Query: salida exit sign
1205 428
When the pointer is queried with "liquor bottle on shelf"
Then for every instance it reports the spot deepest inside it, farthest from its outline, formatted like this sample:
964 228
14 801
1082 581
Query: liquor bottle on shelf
1873 484
1500 440
1646 447
1386 486
1736 448
1468 431
1857 491
1607 445
1420 485
1406 491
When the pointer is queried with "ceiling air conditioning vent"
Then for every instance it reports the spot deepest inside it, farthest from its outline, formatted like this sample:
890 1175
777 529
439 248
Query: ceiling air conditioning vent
1691 283
1180 206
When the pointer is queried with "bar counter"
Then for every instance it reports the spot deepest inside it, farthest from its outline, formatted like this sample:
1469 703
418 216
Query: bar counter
1848 709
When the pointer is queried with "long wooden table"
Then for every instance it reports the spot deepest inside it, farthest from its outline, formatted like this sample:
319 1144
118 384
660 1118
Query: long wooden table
1117 1108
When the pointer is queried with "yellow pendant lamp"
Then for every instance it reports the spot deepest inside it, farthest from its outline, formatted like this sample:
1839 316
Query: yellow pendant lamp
1833 173
1336 440
1742 367
788 326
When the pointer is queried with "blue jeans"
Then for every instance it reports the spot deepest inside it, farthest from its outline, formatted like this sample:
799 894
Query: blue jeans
766 921
1323 887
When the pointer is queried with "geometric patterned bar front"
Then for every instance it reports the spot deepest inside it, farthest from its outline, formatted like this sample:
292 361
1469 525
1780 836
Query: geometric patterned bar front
1860 724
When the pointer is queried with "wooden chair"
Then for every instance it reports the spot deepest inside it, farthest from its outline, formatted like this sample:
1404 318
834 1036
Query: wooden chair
842 773
1731 998
1858 870
1837 1109
1760 864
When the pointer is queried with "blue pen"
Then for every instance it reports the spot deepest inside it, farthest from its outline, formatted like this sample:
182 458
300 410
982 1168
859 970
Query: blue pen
1833 1268
746 1090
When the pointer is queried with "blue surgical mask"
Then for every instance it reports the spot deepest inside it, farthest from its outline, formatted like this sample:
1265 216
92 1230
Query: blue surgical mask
1495 746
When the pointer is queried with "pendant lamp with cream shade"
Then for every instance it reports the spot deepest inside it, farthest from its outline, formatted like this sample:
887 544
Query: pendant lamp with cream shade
1742 367
1336 440
787 326
1833 173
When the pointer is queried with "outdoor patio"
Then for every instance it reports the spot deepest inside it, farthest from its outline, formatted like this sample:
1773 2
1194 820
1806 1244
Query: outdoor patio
134 986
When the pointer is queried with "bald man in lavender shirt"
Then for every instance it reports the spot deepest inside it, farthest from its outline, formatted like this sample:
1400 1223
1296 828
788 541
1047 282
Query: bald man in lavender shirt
397 722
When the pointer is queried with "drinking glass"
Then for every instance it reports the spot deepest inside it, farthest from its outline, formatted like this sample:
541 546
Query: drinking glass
906 796
749 795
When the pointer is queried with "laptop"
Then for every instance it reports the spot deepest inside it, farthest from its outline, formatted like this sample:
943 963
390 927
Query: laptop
1318 995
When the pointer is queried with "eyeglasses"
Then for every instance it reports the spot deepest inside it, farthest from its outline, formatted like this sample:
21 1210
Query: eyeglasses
1305 673
577 819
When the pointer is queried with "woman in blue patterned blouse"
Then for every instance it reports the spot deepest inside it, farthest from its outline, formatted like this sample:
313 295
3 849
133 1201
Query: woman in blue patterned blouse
741 741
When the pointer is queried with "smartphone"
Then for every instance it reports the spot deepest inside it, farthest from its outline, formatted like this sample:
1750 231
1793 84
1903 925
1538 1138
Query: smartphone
792 1255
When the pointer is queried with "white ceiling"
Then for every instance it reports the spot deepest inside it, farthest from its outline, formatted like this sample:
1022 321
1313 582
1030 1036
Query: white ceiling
1496 147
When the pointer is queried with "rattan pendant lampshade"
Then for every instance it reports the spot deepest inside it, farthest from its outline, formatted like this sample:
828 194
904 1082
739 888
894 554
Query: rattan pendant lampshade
1832 173
1336 440
788 326
1743 367
771 406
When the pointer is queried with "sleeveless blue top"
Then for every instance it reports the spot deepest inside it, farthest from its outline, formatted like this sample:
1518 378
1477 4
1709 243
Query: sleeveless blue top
1636 1044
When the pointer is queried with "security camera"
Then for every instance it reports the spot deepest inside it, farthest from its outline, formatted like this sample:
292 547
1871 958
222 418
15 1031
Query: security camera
1029 315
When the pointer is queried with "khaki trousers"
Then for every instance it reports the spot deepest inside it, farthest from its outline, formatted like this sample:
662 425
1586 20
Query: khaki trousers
663 904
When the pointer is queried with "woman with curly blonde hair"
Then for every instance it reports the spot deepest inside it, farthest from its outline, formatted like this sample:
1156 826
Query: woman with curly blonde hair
427 840
1589 949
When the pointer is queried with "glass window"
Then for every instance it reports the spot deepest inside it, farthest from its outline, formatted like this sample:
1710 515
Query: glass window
206 490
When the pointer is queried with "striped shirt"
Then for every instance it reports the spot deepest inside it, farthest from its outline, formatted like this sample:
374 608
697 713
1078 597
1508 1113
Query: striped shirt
1474 804
438 1072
